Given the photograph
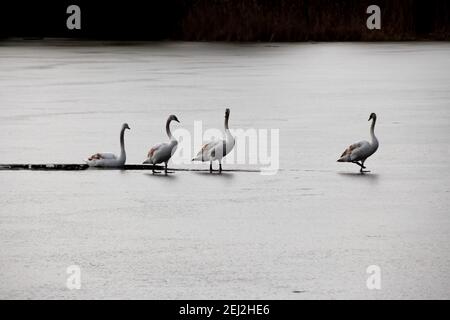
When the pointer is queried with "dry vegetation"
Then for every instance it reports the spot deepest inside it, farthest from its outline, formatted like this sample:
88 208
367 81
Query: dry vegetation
311 20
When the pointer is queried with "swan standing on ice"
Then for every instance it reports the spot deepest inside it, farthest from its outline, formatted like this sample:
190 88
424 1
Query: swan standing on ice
162 152
217 149
358 153
110 159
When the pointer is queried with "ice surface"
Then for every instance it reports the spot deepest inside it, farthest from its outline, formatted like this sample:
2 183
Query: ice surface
313 228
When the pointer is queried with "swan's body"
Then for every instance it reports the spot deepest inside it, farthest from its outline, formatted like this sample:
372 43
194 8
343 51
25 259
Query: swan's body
358 152
162 152
217 149
107 159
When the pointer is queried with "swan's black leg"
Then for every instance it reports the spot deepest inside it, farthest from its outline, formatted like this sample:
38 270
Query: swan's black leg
363 167
359 164
362 164
166 171
153 169
364 171
210 167
220 167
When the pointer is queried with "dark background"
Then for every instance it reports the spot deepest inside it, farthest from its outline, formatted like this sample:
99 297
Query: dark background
228 20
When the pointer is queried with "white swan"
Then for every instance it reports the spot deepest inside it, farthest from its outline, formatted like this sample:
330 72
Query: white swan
217 149
358 152
162 152
110 159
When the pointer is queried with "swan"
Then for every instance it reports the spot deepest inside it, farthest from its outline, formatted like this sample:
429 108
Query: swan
110 159
217 149
358 152
162 152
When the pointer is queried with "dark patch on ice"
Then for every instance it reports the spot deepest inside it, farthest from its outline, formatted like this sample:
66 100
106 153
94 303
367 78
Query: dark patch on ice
224 175
298 291
372 176
170 175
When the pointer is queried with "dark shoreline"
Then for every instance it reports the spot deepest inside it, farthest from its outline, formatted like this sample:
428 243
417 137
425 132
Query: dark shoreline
231 20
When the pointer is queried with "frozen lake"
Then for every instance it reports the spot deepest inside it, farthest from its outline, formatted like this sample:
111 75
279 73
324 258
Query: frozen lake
309 231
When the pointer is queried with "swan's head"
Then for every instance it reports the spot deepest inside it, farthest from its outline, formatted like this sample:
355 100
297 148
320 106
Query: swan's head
174 118
227 112
372 116
125 126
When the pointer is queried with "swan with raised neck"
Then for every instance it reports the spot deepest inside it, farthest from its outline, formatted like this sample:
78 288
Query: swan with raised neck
358 153
162 152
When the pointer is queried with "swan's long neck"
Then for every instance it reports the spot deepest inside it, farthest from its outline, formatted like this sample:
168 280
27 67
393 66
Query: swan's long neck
227 130
372 132
122 144
168 129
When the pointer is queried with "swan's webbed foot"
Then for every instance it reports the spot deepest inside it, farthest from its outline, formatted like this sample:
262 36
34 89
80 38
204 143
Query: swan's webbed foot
364 171
154 171
359 164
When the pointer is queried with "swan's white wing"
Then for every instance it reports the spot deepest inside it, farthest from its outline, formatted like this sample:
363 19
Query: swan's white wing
355 152
161 152
222 148
205 152
219 150
104 159
208 146
151 155
153 150
103 156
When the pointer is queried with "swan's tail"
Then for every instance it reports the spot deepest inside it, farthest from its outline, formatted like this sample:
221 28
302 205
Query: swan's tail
346 158
201 157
